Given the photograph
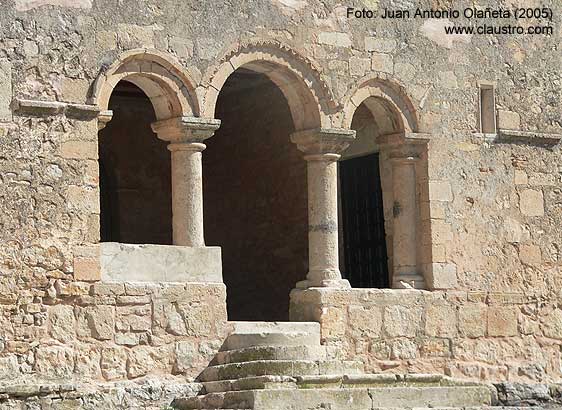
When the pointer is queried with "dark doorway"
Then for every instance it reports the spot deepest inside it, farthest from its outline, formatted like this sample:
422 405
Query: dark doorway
364 238
255 198
135 180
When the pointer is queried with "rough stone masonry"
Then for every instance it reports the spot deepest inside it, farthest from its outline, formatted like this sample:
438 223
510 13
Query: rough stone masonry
467 129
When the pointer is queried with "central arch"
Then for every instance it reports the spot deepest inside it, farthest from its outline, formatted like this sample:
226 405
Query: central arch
255 185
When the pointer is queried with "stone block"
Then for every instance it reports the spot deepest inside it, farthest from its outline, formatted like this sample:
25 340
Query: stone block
333 322
106 40
440 191
83 199
509 120
403 349
185 356
78 149
380 45
62 323
552 324
160 263
542 179
54 361
402 320
87 362
75 90
472 321
87 269
502 321
448 79
24 5
335 39
359 66
531 202
366 321
443 275
520 177
382 62
134 36
441 321
5 91
182 47
404 71
96 321
113 363
530 254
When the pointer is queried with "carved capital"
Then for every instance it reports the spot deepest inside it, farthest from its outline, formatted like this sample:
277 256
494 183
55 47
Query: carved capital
181 130
323 143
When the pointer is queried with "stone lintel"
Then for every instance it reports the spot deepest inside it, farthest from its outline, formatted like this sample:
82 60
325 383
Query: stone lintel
160 263
47 108
323 141
186 129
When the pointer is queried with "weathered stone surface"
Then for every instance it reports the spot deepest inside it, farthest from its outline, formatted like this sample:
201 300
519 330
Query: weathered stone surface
402 320
62 323
96 321
502 321
113 363
158 263
531 202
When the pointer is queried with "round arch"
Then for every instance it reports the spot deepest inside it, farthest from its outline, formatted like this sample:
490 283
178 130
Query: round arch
165 82
388 103
309 98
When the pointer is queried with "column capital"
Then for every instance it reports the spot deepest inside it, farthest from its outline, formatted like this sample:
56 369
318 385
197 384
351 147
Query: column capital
103 118
185 130
323 143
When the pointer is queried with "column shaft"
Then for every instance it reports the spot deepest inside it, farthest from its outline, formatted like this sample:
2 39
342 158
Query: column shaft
322 219
187 194
322 148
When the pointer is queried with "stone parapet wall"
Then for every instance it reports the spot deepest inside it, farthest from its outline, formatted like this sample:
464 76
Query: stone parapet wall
474 335
112 331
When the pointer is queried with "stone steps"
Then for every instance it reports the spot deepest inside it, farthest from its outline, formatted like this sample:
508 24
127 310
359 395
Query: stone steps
292 368
283 366
248 354
341 398
252 334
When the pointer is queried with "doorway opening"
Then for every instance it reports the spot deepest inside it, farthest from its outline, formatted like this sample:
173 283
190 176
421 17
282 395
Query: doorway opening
135 181
363 238
255 198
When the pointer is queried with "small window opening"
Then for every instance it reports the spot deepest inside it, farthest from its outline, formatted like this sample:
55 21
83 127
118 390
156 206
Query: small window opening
487 109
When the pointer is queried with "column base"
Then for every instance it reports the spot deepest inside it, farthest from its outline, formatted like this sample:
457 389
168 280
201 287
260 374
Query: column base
408 281
325 283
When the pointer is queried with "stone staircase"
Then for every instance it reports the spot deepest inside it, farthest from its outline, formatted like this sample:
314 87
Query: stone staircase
283 366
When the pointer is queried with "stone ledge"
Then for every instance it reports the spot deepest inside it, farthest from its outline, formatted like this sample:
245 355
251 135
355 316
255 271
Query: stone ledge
529 137
159 263
47 108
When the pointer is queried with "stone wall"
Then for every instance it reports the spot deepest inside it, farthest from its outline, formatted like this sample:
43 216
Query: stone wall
493 210
111 331
475 335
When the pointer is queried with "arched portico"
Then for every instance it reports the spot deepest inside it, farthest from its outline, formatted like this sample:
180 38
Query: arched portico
311 107
401 158
171 92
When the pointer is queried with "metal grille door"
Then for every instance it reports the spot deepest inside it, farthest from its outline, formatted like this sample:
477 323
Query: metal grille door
366 264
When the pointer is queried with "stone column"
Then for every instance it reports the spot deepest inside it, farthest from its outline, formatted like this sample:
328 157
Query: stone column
186 136
322 148
404 235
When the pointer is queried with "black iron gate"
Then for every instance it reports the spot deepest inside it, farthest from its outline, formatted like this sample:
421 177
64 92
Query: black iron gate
366 264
